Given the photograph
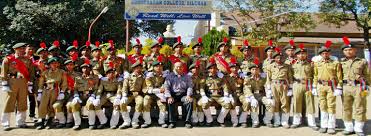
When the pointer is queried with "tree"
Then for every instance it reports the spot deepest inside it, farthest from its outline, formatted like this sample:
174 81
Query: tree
33 21
340 12
211 41
268 17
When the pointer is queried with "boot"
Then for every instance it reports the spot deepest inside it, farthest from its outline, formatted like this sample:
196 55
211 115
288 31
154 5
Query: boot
358 128
40 124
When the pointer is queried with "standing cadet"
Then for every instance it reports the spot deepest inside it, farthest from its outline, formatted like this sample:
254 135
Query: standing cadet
247 59
197 56
73 54
279 81
290 52
86 51
223 57
178 56
198 81
15 74
269 50
155 52
327 80
235 82
254 95
155 93
356 82
179 89
119 63
302 95
55 51
51 92
71 76
97 60
107 93
132 91
84 89
214 91
137 56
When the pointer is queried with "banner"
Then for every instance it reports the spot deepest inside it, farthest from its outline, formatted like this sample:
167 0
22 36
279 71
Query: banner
168 9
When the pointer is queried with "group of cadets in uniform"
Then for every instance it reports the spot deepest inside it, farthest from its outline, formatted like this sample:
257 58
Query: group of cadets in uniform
62 85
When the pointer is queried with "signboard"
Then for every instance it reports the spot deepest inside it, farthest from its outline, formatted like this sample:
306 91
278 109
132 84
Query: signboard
168 9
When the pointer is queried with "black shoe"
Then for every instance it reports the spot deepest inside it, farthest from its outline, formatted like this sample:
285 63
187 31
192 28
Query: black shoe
22 126
163 125
172 125
348 133
145 125
209 124
255 125
101 126
77 127
222 125
69 125
40 125
188 125
243 125
6 128
60 126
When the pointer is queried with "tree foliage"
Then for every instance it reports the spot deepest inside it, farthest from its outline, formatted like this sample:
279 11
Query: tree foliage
268 18
211 40
33 21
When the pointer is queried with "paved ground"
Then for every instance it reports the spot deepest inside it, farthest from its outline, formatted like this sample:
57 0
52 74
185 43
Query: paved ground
155 131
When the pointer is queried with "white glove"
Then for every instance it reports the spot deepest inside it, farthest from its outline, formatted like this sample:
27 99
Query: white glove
39 95
254 102
76 99
231 98
270 102
161 96
96 102
30 87
226 99
5 88
117 101
289 92
60 96
314 91
124 99
338 91
204 99
91 99
268 93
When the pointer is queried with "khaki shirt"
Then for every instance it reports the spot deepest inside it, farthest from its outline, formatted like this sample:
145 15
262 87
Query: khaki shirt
120 64
133 85
266 63
235 84
303 70
245 63
154 81
356 69
108 86
279 72
148 59
86 84
198 83
253 86
203 62
8 68
328 70
97 67
214 86
52 79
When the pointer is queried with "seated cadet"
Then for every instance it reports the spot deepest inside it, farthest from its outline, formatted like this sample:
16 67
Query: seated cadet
215 91
235 86
155 93
107 93
71 76
198 81
52 86
85 86
132 91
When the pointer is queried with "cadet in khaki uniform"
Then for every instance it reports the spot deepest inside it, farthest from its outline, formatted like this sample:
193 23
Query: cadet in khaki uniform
302 94
132 91
247 59
290 52
279 81
197 56
85 87
235 86
137 56
51 89
269 50
107 93
224 57
356 81
120 64
215 91
71 76
155 53
328 81
97 60
155 93
15 73
254 94
179 56
198 81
